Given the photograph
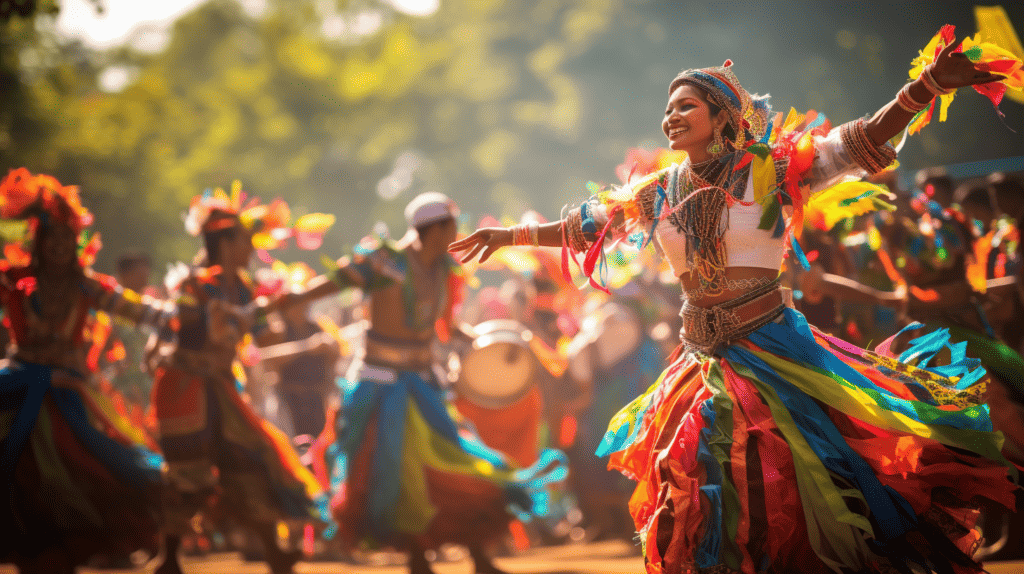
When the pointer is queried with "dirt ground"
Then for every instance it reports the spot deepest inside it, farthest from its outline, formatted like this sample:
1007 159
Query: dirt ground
595 558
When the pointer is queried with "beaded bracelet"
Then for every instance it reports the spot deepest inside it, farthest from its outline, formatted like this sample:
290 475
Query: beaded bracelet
907 102
871 157
573 224
933 86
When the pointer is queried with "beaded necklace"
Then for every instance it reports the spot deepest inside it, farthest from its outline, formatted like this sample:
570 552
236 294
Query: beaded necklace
701 196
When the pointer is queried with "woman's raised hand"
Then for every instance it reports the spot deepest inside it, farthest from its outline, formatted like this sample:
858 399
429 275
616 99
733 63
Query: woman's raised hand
954 70
487 239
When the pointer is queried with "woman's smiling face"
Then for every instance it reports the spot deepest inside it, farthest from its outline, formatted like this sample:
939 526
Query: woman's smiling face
687 123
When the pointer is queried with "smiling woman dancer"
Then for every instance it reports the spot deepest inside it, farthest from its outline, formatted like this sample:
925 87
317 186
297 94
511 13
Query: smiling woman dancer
767 446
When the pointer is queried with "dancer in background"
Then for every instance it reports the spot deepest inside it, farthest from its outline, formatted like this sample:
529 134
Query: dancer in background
767 446
304 361
612 361
76 488
125 368
218 451
408 479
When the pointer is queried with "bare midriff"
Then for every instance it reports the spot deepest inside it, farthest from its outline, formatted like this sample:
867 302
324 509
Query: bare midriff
387 317
691 283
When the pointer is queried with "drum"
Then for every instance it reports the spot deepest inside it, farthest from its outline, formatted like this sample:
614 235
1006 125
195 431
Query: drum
499 368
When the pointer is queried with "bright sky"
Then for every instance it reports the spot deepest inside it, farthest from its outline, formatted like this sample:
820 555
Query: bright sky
149 20
120 19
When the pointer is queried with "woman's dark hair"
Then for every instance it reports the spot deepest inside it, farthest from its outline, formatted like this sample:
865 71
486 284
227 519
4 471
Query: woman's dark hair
1008 189
941 182
976 192
728 132
212 239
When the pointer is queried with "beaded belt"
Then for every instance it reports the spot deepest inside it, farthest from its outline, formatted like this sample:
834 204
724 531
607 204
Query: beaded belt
403 355
705 329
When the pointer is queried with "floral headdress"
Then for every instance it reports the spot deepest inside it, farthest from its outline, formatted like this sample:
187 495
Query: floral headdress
270 223
41 199
748 114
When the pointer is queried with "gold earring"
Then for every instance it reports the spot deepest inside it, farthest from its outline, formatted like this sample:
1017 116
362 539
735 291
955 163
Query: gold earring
717 145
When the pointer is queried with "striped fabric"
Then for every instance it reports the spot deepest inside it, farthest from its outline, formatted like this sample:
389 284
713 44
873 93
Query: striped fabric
795 451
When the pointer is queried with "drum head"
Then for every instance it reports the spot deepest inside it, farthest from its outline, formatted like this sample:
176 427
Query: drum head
496 375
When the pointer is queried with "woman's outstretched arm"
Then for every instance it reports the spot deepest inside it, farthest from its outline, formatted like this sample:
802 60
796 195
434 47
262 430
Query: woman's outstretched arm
950 70
487 240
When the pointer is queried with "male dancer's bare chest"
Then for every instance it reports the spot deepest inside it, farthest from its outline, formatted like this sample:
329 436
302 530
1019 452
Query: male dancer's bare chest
408 309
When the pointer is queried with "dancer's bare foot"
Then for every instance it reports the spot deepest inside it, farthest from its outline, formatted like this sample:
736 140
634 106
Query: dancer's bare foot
483 563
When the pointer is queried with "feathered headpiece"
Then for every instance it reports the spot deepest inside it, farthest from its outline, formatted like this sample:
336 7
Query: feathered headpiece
748 114
27 196
21 190
269 223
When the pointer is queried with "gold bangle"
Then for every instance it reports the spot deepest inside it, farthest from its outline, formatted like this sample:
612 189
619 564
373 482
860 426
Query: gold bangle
534 228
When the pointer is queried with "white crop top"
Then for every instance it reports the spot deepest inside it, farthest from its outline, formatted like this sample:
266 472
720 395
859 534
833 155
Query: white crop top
745 244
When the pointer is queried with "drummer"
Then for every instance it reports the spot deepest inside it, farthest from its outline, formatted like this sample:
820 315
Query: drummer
612 360
410 481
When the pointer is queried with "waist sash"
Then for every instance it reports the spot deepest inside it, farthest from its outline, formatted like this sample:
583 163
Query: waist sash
706 329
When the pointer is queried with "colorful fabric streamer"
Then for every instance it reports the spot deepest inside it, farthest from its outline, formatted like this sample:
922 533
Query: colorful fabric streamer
404 470
796 451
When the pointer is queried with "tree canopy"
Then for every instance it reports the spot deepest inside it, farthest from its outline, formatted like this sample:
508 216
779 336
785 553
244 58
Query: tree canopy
351 107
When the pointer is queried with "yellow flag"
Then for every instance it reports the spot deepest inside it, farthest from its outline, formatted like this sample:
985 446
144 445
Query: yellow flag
994 26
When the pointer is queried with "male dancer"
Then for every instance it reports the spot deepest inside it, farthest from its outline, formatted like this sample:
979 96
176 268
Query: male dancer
410 480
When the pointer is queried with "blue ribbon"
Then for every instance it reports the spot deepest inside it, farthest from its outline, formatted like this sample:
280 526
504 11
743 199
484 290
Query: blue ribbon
711 545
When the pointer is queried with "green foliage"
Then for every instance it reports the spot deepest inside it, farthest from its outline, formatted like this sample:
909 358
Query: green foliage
293 112
505 106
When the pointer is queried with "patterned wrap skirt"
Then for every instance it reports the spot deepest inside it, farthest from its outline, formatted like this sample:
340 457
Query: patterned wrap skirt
792 451
75 475
218 449
404 473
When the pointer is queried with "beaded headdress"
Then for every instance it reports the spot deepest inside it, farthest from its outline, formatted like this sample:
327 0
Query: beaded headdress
748 114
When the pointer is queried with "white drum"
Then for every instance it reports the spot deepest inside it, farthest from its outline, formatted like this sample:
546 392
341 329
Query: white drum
499 369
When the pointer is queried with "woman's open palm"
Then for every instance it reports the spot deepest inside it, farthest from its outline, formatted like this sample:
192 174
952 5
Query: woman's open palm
484 241
954 70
